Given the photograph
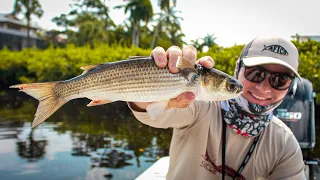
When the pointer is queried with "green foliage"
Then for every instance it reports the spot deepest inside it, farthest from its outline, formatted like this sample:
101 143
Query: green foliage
121 35
167 25
197 45
90 32
32 65
309 66
88 22
28 8
90 18
140 11
208 40
62 21
225 58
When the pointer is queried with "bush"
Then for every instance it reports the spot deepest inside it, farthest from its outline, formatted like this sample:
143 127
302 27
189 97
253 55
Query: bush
310 63
32 65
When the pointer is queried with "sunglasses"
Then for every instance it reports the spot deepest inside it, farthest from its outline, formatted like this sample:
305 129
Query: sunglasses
258 74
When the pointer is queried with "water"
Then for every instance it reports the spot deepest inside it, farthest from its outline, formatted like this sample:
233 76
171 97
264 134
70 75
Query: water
78 142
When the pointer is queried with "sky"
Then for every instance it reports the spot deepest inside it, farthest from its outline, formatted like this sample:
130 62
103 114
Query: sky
231 21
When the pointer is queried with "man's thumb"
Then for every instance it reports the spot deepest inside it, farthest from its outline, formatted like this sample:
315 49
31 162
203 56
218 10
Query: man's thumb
182 101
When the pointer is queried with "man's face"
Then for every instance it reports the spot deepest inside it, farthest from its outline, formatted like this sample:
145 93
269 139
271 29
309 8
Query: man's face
262 93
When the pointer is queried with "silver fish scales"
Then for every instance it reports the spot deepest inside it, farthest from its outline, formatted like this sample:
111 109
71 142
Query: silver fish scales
136 80
131 80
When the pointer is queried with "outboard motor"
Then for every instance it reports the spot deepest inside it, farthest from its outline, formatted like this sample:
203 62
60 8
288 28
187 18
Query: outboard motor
297 111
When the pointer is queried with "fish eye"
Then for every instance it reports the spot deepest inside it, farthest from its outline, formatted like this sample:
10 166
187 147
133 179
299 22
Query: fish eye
230 86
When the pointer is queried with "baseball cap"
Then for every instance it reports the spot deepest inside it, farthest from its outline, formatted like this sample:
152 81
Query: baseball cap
271 50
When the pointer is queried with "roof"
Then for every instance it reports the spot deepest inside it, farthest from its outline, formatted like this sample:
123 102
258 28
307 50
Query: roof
11 19
311 36
17 33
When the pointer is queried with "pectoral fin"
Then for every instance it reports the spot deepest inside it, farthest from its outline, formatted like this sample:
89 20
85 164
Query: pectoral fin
97 102
155 109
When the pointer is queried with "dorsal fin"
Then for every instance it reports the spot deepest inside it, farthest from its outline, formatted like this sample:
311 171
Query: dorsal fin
136 57
89 67
184 64
186 69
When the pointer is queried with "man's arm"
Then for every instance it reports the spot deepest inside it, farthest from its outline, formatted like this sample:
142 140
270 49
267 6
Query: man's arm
139 106
290 165
155 115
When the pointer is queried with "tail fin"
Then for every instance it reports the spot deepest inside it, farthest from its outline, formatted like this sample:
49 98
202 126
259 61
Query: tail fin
48 101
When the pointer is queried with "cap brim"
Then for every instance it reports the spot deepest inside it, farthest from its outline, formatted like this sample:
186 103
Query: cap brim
255 61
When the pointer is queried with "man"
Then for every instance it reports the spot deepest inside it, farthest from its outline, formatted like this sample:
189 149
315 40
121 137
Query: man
238 138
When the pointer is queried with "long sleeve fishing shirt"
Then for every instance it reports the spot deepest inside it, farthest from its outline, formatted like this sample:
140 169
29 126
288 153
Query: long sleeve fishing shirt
196 145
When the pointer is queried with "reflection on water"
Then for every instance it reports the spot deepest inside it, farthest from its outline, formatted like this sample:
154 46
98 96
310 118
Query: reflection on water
30 148
110 158
77 142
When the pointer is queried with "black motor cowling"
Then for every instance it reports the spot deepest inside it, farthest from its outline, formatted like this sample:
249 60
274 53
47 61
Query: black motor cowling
298 112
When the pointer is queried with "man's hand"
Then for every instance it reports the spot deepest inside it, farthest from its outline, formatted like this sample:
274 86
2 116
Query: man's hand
169 58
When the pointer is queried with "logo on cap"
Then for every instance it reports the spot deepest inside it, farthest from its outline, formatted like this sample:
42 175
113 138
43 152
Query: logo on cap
276 49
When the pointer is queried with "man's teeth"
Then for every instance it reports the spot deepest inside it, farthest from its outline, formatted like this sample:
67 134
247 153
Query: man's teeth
258 97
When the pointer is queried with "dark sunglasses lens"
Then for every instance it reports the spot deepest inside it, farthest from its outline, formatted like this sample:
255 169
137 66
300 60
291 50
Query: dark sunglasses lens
254 74
277 81
280 82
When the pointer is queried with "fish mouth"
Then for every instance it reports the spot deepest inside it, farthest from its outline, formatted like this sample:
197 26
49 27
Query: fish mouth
239 91
240 88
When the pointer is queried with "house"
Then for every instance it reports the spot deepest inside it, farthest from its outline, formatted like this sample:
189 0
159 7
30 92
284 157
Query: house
305 38
13 34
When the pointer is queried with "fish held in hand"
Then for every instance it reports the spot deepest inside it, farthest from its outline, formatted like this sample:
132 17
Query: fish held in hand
137 79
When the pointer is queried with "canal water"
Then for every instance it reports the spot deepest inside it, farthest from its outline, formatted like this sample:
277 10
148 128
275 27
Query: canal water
79 142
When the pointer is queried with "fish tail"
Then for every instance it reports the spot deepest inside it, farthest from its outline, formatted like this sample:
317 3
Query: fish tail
49 101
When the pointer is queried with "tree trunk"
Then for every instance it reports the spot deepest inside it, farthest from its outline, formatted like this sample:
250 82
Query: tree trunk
134 35
28 33
155 35
91 44
138 36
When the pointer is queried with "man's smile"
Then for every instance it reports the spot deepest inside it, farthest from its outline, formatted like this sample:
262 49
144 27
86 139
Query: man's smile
259 97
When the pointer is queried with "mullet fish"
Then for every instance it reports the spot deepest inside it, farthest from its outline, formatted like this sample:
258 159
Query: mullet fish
137 79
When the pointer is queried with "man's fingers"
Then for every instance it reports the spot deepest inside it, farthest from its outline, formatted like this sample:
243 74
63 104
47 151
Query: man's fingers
182 101
173 53
206 61
189 53
159 56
